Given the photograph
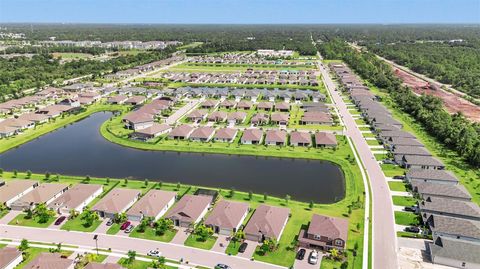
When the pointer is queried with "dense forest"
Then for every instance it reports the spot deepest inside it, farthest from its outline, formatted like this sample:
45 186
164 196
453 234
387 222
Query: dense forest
20 73
453 130
51 49
456 64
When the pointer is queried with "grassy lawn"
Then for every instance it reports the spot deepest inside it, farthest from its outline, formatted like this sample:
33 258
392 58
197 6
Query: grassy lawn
138 264
194 241
413 235
368 134
397 186
391 170
380 156
3 213
404 201
114 229
407 218
20 220
150 235
329 264
78 224
232 248
71 55
373 142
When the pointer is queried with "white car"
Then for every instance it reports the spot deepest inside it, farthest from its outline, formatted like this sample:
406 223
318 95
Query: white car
154 253
313 258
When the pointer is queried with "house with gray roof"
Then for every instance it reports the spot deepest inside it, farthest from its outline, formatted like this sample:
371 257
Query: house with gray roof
422 162
427 189
456 228
410 150
455 253
448 207
429 175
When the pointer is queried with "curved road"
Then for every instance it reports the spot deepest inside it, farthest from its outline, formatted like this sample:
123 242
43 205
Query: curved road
384 245
124 244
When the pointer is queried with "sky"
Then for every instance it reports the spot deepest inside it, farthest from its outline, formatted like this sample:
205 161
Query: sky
240 11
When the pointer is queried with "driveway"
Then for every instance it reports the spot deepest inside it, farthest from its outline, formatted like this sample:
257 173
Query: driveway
181 236
303 264
10 216
102 228
250 250
221 244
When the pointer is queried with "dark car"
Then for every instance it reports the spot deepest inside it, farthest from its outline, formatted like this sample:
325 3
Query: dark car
125 225
398 177
242 247
411 208
301 254
222 266
412 229
60 220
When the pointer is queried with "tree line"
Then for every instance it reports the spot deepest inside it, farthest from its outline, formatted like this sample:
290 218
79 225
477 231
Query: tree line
455 131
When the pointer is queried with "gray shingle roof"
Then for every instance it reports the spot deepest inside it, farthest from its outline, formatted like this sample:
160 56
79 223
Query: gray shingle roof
423 174
455 226
445 206
455 249
436 189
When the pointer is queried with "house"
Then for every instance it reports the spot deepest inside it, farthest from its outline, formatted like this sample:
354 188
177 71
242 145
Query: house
410 150
225 135
43 194
394 142
181 132
202 134
324 233
423 162
302 139
71 102
208 104
108 265
153 204
323 139
135 100
448 207
267 222
432 176
236 117
227 217
427 189
34 117
455 253
279 118
151 132
76 198
455 228
282 107
228 104
50 261
276 138
245 105
117 99
260 119
7 131
10 257
267 106
116 201
197 115
189 210
217 116
252 136
15 189
316 117
137 120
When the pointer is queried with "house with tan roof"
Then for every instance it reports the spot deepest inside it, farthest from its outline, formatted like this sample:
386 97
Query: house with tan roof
267 222
252 137
136 100
117 99
108 265
202 134
47 260
217 116
138 120
323 139
227 217
208 104
276 138
267 106
116 201
10 257
76 198
151 132
324 233
34 117
228 104
300 139
282 107
154 204
260 119
279 118
181 132
225 135
43 194
236 117
197 115
316 117
189 210
15 189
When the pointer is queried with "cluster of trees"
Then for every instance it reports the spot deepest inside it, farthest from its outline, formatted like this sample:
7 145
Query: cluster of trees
455 131
52 49
19 73
456 64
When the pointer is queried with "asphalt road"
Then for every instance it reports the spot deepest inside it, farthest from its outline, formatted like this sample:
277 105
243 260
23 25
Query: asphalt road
384 248
122 243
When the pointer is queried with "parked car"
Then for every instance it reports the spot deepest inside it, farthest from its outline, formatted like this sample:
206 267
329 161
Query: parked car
388 161
154 253
109 222
129 228
301 254
412 229
243 247
398 177
60 220
411 208
125 225
222 266
313 257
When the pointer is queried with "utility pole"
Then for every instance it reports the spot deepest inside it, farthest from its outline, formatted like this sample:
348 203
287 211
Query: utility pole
95 237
